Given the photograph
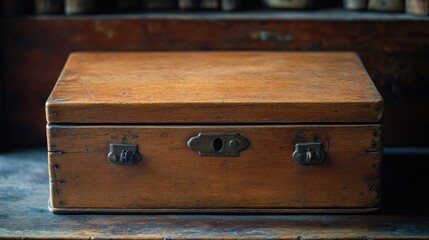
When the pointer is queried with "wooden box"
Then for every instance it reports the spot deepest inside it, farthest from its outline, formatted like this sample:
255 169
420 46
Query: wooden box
214 132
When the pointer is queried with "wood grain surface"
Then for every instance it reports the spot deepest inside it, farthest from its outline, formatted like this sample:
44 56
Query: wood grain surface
24 214
219 87
171 176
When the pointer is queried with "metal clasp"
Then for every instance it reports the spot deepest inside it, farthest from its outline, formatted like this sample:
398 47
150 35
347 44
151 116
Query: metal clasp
309 153
218 144
123 154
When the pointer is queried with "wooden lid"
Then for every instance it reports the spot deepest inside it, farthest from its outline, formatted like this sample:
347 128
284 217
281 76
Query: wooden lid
214 87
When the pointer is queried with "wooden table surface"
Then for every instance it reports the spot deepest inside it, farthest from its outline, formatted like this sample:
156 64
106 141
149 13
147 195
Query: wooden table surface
24 214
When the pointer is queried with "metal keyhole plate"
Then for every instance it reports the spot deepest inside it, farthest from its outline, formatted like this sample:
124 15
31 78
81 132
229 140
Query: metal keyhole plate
218 144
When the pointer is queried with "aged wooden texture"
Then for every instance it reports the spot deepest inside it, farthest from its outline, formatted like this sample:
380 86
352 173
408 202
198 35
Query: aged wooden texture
393 48
24 192
216 87
172 176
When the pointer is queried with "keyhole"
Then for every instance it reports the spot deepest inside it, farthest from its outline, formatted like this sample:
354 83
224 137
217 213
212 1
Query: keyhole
218 144
308 155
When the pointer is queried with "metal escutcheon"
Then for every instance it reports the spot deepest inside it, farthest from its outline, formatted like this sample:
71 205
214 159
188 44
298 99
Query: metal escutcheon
309 153
123 154
218 144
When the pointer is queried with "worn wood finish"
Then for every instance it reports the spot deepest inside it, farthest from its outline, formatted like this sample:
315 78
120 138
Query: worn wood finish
172 176
217 87
393 48
24 192
98 89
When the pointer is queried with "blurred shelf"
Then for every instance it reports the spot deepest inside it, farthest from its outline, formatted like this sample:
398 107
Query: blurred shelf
264 14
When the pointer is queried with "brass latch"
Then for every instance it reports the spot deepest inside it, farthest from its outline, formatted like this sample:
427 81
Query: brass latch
309 153
123 154
218 144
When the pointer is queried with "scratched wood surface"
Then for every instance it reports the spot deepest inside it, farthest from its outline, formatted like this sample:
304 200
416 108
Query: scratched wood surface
214 87
24 194
171 176
393 48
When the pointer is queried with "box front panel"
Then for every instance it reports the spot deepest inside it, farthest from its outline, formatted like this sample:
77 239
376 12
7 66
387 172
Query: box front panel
172 176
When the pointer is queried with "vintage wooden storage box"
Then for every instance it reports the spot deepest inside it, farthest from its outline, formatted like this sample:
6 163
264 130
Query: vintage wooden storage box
214 132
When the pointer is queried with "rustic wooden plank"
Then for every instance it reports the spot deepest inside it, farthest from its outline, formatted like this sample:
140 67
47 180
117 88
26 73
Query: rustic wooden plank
23 214
394 50
263 176
216 87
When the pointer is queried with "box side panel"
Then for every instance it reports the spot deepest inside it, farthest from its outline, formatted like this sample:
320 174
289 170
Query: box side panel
171 176
69 111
